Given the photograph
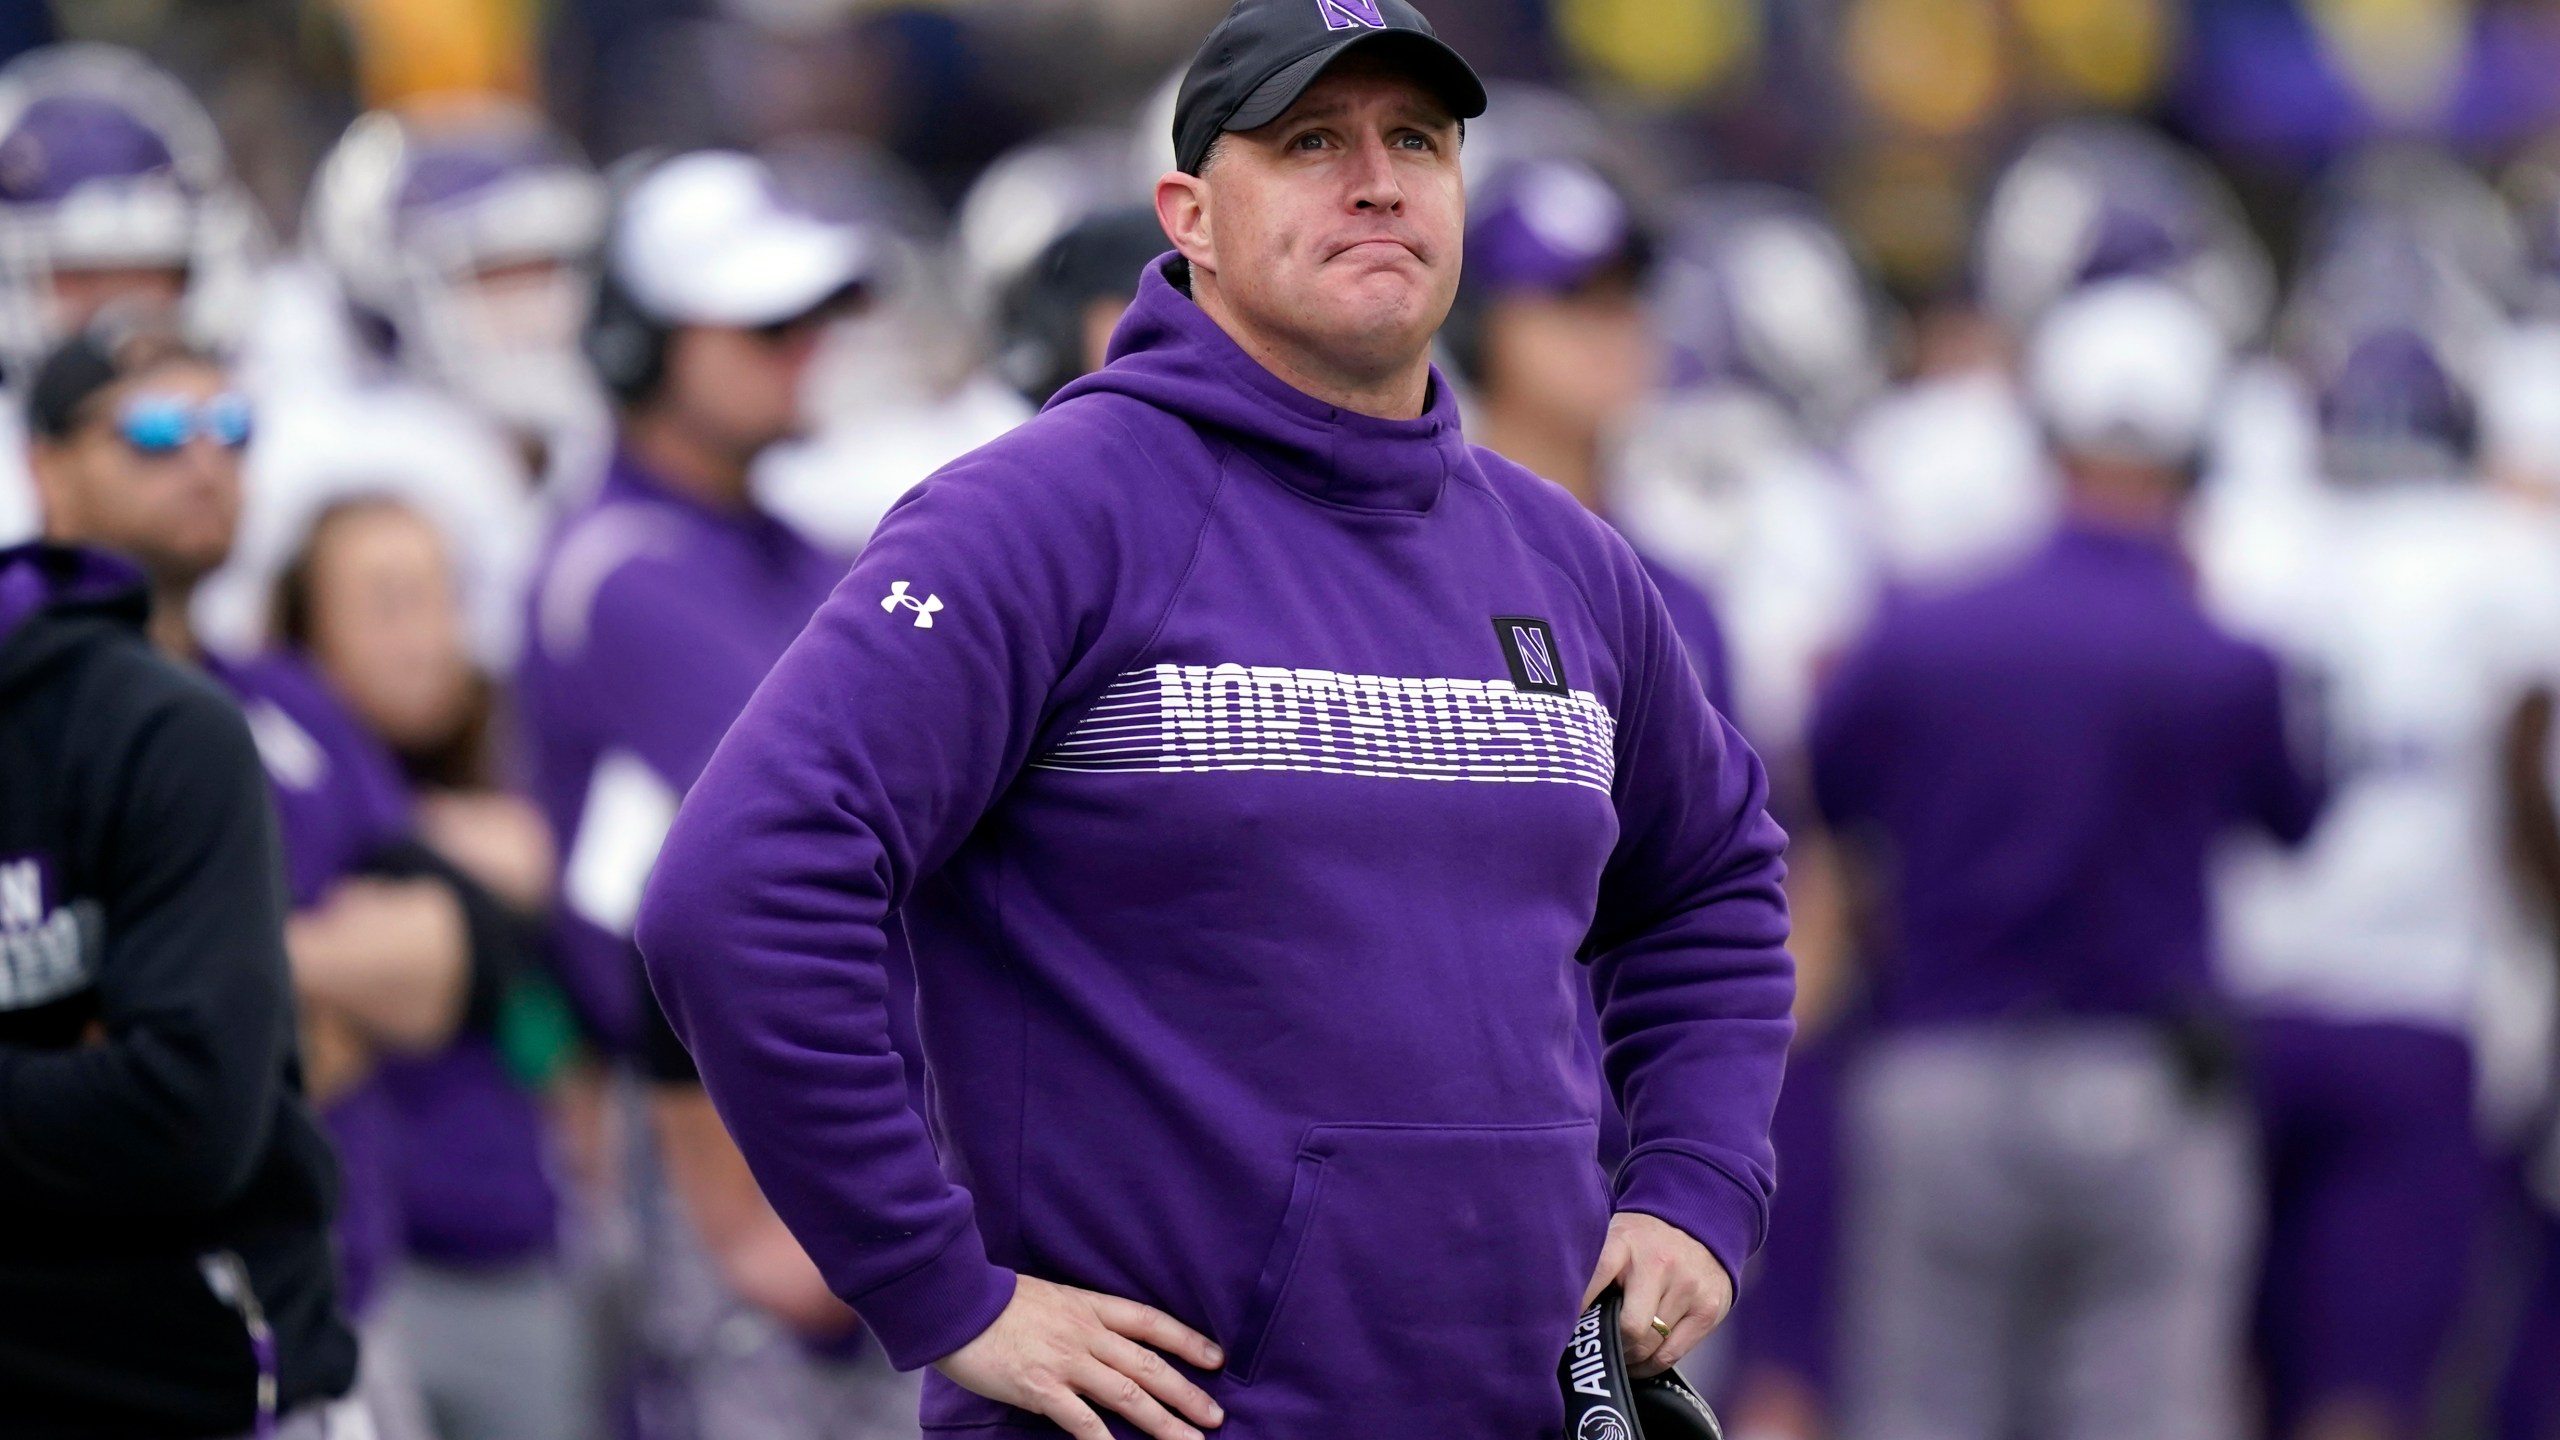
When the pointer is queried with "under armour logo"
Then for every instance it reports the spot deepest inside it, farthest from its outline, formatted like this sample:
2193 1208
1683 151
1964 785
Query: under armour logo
924 608
1351 14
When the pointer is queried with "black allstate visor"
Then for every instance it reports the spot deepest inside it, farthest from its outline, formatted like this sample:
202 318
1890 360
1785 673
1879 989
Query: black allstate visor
1265 53
1604 1401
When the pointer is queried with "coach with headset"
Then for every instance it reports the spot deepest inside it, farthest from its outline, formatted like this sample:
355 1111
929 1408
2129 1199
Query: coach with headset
655 610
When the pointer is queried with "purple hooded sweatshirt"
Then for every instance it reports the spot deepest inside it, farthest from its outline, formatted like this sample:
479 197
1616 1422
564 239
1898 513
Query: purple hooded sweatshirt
1245 772
339 798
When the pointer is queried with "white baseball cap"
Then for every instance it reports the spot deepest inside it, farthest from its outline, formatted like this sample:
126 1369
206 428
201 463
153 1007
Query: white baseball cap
710 239
2128 369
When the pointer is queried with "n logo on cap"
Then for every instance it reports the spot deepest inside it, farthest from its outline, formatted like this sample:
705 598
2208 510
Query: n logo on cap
1351 14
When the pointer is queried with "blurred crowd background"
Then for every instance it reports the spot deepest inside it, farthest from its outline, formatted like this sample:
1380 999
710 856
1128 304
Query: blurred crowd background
1854 215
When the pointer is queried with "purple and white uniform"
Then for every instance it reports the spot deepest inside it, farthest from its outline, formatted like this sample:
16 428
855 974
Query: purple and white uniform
2376 959
1244 772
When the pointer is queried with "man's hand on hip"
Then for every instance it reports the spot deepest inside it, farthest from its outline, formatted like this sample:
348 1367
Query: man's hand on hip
1055 1348
1666 1276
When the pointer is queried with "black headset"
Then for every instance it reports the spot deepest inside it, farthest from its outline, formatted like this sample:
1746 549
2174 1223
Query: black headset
625 343
1462 337
624 340
1042 312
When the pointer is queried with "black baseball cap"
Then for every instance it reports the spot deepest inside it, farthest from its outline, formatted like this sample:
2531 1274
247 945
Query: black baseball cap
1265 54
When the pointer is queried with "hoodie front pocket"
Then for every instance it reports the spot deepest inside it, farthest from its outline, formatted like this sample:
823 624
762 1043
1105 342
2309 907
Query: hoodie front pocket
1424 1268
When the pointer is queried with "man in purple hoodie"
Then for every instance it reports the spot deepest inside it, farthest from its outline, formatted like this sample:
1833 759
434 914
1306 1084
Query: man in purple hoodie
1245 753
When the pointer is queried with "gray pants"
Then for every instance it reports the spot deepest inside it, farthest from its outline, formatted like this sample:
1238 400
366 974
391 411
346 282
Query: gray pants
337 1420
716 1368
387 1390
2048 1235
499 1354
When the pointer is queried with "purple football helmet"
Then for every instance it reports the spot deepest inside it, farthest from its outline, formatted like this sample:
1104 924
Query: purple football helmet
2388 332
2533 190
2102 199
466 230
2429 203
109 168
1755 287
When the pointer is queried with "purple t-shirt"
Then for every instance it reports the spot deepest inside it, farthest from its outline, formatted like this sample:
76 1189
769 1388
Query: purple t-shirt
1245 772
2043 761
652 619
339 798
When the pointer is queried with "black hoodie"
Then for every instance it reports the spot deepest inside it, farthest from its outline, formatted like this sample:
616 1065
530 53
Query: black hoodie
154 1145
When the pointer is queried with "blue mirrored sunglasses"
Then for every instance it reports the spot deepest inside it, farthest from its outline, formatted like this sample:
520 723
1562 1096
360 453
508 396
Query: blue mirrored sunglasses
163 424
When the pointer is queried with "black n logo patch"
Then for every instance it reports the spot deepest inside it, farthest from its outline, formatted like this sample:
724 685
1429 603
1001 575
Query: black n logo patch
1529 645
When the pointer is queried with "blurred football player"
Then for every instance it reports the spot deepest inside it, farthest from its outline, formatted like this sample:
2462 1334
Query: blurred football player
114 193
1775 342
2050 1194
905 386
447 270
2428 606
656 610
1950 464
1549 332
1058 314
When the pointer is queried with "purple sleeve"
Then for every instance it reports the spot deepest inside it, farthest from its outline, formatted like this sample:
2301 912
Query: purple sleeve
1693 618
1842 740
861 764
2284 788
1694 983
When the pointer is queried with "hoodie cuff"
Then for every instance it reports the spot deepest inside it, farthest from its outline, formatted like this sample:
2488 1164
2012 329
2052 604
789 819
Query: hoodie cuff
1700 1199
940 1305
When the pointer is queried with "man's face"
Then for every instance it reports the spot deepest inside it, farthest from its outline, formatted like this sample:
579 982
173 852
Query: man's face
80 293
1577 362
172 513
1338 228
739 390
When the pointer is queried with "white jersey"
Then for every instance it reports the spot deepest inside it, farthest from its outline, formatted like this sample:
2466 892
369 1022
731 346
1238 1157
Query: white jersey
2520 404
835 486
1952 473
2422 613
1722 487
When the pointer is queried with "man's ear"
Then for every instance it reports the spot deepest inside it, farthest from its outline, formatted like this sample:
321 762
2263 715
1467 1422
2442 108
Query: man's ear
1182 208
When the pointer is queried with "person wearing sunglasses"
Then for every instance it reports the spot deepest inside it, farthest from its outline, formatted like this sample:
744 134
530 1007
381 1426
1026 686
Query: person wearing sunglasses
656 610
138 449
145 460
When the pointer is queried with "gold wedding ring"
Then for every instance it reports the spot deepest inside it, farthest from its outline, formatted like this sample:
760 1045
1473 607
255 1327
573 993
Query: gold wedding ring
1661 1329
